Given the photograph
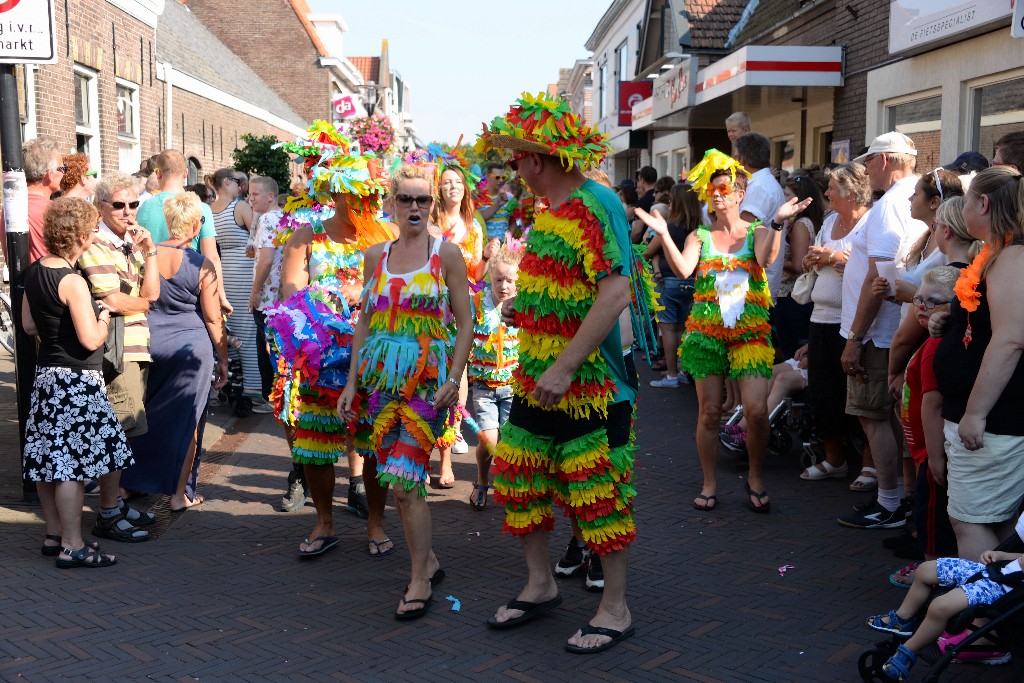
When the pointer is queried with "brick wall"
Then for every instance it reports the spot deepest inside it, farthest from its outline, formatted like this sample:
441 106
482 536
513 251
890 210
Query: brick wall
268 36
96 27
867 43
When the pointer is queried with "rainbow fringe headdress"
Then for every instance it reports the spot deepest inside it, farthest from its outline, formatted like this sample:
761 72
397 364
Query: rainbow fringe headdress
336 165
700 175
439 160
546 125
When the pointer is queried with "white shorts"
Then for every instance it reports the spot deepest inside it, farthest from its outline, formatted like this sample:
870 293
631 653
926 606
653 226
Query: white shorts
986 486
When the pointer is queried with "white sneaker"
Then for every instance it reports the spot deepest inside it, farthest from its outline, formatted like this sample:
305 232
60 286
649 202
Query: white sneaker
460 446
666 382
261 405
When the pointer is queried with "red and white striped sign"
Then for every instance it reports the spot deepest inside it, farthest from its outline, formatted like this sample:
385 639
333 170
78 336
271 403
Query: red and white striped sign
780 65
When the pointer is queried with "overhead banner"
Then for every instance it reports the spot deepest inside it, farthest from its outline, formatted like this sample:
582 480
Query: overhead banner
913 23
631 93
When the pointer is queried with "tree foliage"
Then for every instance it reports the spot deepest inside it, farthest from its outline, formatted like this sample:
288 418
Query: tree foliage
258 157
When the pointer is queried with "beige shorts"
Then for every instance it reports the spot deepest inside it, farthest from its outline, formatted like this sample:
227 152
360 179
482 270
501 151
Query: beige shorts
985 486
868 395
127 393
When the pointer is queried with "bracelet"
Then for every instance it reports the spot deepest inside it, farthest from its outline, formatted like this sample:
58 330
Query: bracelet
777 227
830 255
454 381
150 254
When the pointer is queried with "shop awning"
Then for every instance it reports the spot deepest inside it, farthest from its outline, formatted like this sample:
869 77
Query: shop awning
771 65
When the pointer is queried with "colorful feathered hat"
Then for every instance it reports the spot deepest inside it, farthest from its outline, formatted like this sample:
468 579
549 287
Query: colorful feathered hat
700 175
439 160
546 125
336 165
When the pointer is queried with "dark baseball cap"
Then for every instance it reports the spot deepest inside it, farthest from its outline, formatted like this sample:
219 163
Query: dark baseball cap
968 162
626 182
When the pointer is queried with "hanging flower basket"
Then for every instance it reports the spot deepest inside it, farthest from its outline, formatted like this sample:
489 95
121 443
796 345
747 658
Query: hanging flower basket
375 133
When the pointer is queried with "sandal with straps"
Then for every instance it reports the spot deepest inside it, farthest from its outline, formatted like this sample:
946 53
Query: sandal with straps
54 550
478 498
84 557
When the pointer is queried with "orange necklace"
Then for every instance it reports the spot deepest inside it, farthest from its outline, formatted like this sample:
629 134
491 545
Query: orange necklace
966 288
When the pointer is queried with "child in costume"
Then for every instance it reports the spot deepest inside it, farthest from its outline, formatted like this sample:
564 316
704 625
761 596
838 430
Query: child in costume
494 358
405 361
973 583
335 222
728 333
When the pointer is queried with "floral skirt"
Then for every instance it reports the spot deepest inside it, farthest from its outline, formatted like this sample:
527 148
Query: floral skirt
72 433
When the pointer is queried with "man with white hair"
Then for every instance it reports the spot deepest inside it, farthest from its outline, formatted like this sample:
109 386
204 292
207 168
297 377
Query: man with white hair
868 323
44 169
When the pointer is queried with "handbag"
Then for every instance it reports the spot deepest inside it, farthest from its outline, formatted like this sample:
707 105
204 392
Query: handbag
113 349
804 284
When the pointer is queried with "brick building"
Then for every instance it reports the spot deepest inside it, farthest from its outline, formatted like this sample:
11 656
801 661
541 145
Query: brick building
138 76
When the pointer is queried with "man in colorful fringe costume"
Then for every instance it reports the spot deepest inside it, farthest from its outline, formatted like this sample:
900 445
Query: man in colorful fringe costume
407 365
335 221
569 434
728 333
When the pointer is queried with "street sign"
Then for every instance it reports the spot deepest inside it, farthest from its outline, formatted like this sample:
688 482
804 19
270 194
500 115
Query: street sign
28 32
344 107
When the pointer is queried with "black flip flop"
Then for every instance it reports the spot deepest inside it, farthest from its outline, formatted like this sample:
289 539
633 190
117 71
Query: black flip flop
765 507
710 503
327 542
588 630
378 544
411 614
531 610
437 577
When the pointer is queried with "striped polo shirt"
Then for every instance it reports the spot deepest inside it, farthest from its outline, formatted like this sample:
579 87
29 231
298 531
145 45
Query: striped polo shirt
108 262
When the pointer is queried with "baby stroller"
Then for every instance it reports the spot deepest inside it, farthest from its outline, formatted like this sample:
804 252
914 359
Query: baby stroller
231 393
792 416
1005 630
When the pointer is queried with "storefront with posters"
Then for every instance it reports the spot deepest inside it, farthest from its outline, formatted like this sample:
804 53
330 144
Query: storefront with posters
957 80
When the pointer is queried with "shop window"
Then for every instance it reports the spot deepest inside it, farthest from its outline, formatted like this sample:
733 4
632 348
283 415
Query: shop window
680 162
87 123
128 148
661 164
195 171
919 120
784 154
998 110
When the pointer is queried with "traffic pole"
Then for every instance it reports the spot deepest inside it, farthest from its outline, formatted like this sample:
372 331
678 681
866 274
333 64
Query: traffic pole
16 225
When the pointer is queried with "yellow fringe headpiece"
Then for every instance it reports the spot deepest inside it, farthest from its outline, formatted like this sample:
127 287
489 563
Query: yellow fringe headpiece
700 175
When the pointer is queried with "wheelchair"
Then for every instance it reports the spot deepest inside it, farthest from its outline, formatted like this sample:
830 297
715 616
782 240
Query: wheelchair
1005 630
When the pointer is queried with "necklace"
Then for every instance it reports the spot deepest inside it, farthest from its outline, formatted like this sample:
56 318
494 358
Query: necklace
966 288
70 264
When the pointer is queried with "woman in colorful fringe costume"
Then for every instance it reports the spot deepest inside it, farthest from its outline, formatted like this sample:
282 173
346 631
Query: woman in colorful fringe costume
321 279
406 364
727 333
568 438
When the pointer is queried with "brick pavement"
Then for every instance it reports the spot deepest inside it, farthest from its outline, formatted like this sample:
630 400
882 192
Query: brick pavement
220 595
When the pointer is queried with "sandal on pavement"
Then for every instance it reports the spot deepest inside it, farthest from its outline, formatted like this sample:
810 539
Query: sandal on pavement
478 498
54 550
823 470
84 557
414 613
709 503
326 543
867 480
112 528
375 550
765 507
530 611
904 578
588 630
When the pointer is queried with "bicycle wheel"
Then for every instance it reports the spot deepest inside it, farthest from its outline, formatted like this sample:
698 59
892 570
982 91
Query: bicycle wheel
6 323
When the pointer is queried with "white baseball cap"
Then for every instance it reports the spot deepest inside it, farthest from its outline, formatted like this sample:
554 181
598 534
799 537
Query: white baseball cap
894 142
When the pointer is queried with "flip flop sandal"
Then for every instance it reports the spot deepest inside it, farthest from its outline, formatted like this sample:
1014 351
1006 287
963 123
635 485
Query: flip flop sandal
764 508
530 611
326 543
904 578
378 544
588 630
408 615
710 502
478 498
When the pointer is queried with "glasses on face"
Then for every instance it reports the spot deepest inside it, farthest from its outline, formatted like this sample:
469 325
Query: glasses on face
929 305
235 180
60 169
421 200
89 174
723 188
119 206
513 163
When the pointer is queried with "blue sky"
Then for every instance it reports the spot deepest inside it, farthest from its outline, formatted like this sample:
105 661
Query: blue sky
466 62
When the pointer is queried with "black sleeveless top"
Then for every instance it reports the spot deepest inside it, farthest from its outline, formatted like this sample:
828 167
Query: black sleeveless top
58 340
957 367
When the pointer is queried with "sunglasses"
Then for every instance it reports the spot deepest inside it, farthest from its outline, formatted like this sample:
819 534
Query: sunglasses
513 163
422 200
929 305
60 169
723 188
233 179
119 206
89 174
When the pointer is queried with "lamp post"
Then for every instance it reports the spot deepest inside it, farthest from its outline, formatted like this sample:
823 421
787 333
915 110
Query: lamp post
371 98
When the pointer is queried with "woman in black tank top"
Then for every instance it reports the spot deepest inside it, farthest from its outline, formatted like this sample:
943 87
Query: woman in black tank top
71 433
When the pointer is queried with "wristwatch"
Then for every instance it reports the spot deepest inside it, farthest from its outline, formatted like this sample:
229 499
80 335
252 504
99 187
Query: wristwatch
854 337
777 227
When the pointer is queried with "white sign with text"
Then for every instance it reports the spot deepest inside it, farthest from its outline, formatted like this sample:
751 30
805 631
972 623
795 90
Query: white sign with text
28 32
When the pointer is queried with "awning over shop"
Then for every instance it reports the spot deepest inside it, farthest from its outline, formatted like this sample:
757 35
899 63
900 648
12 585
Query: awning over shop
774 65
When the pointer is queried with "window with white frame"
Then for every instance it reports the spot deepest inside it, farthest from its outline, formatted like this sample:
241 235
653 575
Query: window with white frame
661 164
129 154
87 115
920 120
680 161
25 75
621 56
997 110
602 89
